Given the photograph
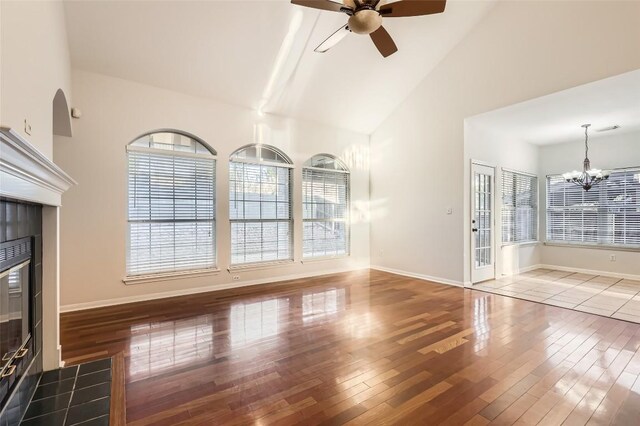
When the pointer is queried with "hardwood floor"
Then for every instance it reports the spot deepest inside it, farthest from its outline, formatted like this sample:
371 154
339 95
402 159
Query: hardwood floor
363 347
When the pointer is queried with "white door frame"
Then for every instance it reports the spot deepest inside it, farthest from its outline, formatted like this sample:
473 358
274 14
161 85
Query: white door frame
489 271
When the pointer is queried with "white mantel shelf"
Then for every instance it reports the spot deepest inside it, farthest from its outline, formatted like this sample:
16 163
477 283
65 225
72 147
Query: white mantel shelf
26 174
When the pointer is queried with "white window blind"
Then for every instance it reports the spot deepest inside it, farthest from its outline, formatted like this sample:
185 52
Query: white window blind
608 214
171 210
519 207
260 206
325 212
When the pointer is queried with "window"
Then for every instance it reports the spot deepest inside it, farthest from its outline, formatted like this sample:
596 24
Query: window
325 204
260 205
171 204
608 214
519 207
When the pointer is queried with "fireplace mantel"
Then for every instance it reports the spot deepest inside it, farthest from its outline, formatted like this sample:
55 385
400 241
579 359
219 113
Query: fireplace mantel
26 174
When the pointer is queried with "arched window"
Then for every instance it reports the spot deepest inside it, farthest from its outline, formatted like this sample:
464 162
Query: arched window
325 207
260 205
171 204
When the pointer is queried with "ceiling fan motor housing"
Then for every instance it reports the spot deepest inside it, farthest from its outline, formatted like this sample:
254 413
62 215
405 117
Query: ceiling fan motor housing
365 21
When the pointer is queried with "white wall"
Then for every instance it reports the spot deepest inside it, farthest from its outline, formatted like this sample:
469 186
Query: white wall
94 221
521 50
606 152
34 64
503 151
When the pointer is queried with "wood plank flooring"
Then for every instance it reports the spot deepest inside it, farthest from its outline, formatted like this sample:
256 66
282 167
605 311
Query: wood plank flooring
364 347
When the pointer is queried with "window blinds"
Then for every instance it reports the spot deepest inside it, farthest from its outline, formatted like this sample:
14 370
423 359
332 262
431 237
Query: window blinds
519 207
171 212
608 214
260 212
325 212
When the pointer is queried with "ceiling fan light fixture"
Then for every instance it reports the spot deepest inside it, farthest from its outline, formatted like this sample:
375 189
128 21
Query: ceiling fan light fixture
365 21
365 18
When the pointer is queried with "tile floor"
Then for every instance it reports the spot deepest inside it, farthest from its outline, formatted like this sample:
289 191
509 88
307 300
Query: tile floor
595 294
72 396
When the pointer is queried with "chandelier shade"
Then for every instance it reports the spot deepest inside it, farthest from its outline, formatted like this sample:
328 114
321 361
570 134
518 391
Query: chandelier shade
588 177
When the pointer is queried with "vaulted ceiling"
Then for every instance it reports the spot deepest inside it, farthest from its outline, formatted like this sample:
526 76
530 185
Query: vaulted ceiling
259 54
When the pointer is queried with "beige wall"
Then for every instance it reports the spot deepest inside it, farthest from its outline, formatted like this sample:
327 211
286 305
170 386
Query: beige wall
34 64
94 222
606 152
520 51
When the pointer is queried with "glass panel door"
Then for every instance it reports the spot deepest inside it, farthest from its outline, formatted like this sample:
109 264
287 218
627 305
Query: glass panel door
482 240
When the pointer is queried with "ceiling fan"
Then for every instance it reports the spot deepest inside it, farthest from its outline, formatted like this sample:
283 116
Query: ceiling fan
365 17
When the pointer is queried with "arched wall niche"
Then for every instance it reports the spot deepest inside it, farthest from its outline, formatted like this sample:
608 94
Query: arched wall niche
61 116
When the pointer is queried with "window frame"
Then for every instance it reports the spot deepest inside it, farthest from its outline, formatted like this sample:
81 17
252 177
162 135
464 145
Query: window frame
347 220
258 160
582 244
211 155
536 208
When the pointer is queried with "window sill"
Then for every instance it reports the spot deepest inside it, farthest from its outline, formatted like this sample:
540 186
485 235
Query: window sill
523 244
142 279
259 265
324 258
593 246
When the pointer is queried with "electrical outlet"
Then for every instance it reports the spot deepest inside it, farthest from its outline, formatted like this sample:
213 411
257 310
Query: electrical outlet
235 277
612 258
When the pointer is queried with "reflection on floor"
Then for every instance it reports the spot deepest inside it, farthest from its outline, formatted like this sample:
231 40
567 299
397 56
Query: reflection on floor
596 294
365 347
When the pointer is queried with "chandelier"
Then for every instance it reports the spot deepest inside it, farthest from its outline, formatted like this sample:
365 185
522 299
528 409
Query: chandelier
588 177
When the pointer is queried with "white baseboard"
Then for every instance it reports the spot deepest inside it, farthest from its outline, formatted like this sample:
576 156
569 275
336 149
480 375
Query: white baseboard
196 290
571 269
523 270
591 272
519 271
419 276
530 268
439 280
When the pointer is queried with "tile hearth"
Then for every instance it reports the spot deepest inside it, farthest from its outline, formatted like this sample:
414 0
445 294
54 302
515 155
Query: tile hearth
78 395
596 294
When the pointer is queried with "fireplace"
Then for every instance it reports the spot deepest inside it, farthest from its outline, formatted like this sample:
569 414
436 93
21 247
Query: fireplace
31 188
15 311
20 306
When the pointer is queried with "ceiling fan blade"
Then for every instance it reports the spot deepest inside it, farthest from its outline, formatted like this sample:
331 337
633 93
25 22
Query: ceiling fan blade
330 5
412 8
333 39
383 42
